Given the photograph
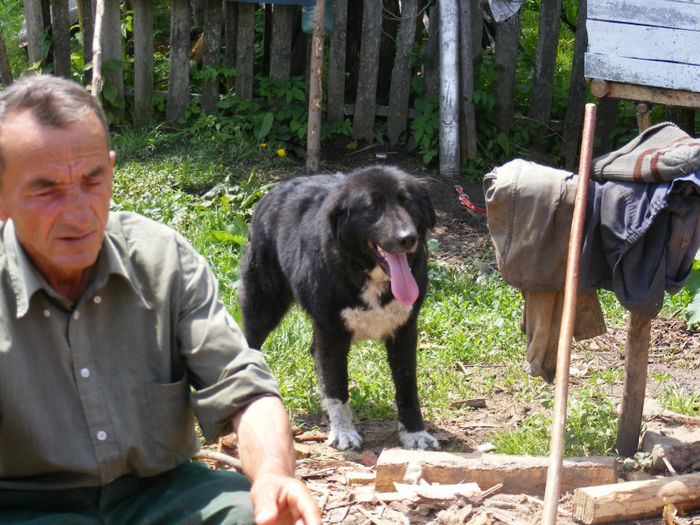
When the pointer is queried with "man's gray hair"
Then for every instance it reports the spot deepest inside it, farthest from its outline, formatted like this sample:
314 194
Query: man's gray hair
53 101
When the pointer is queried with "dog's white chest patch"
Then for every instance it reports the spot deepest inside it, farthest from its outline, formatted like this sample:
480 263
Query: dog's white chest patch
375 321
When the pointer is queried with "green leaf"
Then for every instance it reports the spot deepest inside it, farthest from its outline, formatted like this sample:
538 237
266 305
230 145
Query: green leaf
265 126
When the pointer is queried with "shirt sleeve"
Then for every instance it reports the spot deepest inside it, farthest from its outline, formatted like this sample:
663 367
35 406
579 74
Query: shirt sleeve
225 374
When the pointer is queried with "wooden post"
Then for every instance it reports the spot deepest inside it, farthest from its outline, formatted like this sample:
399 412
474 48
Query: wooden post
635 379
230 33
245 52
399 90
211 54
143 60
87 28
60 30
5 71
547 45
568 318
468 10
336 62
35 27
112 52
97 49
643 116
506 53
366 98
281 41
313 135
179 76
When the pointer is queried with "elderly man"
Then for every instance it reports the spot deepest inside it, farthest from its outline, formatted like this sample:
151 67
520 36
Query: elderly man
112 339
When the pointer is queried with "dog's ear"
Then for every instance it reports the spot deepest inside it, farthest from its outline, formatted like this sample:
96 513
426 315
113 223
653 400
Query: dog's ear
337 217
424 204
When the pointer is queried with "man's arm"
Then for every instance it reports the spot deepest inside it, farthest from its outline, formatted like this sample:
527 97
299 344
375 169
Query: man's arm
266 450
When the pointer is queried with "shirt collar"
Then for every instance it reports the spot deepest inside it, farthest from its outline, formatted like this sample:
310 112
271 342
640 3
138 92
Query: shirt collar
26 280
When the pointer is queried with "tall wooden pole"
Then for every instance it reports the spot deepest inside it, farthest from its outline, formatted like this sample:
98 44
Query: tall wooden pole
556 451
313 135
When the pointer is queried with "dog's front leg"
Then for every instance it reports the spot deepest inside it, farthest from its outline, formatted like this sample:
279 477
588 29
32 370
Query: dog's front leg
401 353
330 354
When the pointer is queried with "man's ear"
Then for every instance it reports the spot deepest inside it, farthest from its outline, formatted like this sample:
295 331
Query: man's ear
112 157
3 212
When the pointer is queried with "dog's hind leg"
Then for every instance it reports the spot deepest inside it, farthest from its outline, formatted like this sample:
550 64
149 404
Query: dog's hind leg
401 354
263 296
331 361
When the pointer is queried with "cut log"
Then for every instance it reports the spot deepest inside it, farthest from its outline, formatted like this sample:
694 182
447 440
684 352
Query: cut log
635 499
679 454
518 474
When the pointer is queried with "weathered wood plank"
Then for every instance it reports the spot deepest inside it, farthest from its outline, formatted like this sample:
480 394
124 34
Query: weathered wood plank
547 45
635 499
369 68
245 53
645 42
230 33
179 77
667 97
518 474
35 26
87 28
399 90
661 13
60 30
335 87
112 53
643 72
281 41
211 54
143 60
505 58
5 71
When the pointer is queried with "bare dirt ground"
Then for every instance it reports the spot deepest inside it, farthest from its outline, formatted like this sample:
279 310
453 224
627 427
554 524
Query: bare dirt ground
464 239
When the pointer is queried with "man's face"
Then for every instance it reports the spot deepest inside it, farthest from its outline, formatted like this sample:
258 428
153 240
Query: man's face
56 188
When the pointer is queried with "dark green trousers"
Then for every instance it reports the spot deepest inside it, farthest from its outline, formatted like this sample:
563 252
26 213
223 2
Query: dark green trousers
191 494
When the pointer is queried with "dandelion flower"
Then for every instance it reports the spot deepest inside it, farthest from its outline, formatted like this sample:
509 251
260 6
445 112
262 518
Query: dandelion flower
281 152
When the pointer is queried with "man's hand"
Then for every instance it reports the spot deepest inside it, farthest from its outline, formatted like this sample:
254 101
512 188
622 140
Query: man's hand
282 500
267 453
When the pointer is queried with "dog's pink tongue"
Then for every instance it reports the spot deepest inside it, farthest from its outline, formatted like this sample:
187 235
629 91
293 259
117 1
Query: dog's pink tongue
403 285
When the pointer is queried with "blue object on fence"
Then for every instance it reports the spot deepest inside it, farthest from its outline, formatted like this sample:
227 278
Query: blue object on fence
307 17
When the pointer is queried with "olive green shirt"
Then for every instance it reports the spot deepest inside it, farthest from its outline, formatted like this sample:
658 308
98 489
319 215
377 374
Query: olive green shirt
111 385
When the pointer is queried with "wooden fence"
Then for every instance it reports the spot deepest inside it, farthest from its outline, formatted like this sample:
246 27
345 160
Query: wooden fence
367 57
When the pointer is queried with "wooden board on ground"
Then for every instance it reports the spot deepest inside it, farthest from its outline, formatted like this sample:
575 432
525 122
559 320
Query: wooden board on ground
518 474
635 499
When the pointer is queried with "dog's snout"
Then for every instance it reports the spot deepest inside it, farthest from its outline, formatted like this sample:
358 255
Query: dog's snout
407 240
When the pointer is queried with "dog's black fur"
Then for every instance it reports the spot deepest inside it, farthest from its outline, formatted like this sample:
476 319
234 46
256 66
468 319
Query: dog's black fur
315 240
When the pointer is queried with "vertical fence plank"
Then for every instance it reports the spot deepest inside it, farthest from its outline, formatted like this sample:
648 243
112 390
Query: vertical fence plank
281 41
60 31
313 138
244 50
335 87
507 33
545 60
179 75
369 64
86 14
230 33
468 10
35 26
143 60
112 52
400 87
573 120
5 71
449 88
211 54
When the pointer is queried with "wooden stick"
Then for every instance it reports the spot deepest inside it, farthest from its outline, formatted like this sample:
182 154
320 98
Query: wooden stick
556 452
97 49
313 136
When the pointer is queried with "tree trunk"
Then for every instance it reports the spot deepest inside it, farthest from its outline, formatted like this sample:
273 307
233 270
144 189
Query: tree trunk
143 60
366 98
86 14
179 76
547 44
211 54
506 54
573 121
336 62
399 91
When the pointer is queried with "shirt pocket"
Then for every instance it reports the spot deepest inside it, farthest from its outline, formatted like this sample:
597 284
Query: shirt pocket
169 423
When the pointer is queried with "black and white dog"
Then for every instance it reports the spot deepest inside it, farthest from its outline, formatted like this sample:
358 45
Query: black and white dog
351 250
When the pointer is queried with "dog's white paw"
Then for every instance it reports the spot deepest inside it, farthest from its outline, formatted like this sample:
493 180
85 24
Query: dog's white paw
342 434
421 439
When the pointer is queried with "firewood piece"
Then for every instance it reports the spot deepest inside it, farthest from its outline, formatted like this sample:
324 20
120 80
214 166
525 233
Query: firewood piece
664 449
519 474
635 499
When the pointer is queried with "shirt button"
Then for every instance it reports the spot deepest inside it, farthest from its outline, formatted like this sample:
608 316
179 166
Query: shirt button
101 435
97 299
47 313
85 372
76 315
